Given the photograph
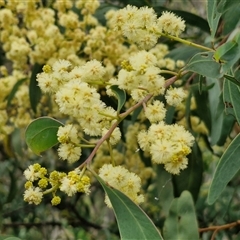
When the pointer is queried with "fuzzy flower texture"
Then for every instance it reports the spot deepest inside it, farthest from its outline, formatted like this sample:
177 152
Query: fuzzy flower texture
141 25
168 145
38 182
123 180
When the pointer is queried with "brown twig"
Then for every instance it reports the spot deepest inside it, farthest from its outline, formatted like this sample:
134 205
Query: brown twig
215 229
168 82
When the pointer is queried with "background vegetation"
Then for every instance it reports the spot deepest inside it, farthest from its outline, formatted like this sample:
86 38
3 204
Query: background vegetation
213 120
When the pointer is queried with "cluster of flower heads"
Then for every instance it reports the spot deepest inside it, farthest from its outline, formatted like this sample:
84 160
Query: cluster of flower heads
168 145
69 148
123 180
140 75
38 182
32 33
75 90
141 25
76 97
37 36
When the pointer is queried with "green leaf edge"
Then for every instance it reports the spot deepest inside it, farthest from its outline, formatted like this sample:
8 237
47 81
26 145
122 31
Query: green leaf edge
14 90
26 138
232 79
117 192
213 195
121 96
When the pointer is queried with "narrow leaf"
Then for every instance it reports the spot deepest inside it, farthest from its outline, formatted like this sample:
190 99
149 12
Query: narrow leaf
34 90
228 166
204 64
225 5
231 18
227 126
228 53
14 90
41 134
121 96
200 84
232 79
181 222
136 114
225 51
227 98
234 91
133 223
216 108
213 16
202 110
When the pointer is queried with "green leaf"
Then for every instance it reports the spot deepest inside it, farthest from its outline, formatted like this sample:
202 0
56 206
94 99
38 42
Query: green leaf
228 166
41 134
227 126
136 114
227 98
103 9
231 18
200 84
191 178
216 107
133 223
213 16
182 53
121 96
170 114
202 102
203 64
181 222
34 90
234 91
231 95
14 90
225 5
232 79
161 191
228 53
225 49
9 238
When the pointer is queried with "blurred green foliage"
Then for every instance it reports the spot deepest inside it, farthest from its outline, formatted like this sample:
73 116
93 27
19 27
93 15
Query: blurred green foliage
86 217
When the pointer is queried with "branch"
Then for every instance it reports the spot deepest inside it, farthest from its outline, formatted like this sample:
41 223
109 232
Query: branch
187 42
219 228
168 82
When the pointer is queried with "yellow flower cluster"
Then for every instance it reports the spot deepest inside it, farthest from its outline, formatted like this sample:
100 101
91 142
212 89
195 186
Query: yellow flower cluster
34 173
71 183
38 37
127 154
123 180
141 26
174 96
77 98
74 182
140 76
32 34
69 148
168 145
